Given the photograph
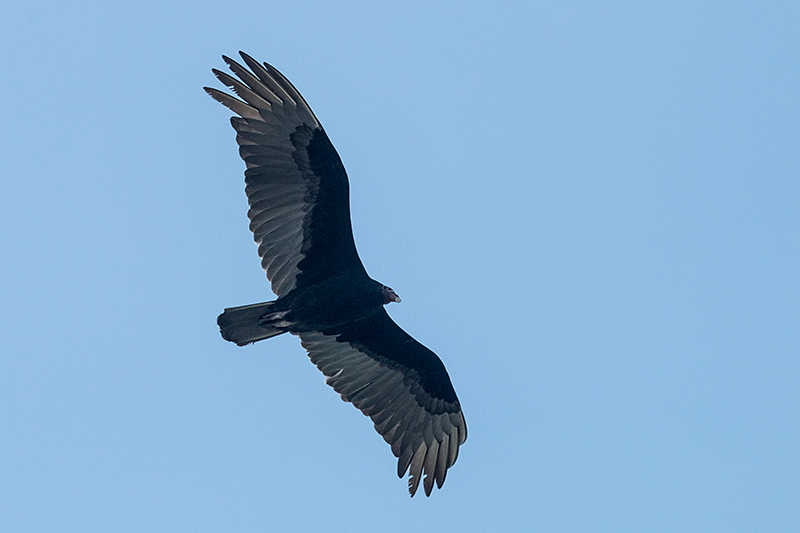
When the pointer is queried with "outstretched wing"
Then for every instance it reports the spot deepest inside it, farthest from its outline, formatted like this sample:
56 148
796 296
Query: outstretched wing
402 386
295 182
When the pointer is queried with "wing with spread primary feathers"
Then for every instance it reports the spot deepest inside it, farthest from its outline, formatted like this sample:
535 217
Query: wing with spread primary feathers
402 386
295 182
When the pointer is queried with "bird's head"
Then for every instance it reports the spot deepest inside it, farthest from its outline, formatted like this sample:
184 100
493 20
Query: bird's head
389 295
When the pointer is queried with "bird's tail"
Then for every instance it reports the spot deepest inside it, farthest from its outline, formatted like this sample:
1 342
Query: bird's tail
242 325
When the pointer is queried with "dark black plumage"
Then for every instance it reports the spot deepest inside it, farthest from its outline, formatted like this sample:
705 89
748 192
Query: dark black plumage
300 218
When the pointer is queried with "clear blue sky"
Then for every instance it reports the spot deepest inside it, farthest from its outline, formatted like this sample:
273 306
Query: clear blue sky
592 213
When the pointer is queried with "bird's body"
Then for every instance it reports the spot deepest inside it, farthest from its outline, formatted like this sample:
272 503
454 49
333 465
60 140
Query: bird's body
300 217
324 306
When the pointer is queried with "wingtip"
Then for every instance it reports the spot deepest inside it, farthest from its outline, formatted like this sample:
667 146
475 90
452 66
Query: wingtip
218 73
254 64
232 63
213 93
217 95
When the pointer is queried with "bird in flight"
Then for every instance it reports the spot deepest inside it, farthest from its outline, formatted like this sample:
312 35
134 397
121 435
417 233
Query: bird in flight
299 214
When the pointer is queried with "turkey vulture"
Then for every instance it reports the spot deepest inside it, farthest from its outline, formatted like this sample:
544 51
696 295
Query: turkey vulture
299 214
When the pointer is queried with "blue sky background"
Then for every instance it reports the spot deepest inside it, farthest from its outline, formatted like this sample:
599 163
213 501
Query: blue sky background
590 211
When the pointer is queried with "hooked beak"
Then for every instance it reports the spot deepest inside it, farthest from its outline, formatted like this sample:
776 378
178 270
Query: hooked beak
389 295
